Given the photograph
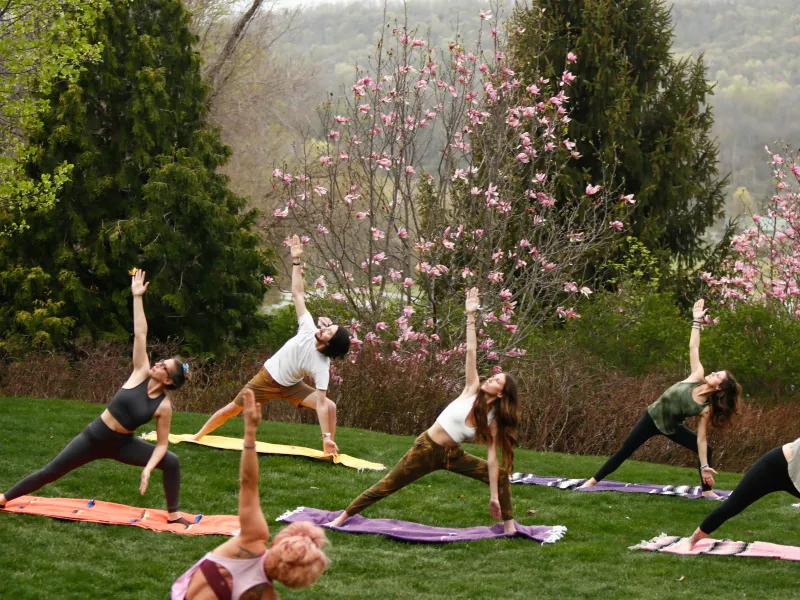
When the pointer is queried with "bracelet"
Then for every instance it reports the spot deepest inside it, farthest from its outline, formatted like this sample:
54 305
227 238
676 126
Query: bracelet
297 264
698 327
326 435
704 467
246 447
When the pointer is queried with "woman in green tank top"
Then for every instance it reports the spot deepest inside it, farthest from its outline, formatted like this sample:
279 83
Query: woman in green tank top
714 397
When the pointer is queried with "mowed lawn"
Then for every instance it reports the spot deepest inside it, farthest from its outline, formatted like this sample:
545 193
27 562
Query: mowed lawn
47 558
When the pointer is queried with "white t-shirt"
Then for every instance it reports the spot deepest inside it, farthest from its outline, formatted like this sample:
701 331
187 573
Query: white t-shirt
299 357
453 419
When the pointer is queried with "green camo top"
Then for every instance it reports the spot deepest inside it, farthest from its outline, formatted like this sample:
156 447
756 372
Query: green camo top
674 405
794 464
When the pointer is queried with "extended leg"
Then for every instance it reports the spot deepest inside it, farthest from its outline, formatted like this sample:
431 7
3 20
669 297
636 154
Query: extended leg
78 452
420 460
641 432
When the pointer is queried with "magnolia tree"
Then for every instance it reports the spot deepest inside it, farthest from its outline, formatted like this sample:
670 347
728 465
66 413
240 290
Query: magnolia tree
767 254
437 173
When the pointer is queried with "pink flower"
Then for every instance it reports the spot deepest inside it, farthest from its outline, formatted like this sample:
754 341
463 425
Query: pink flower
322 229
402 233
523 158
418 43
337 297
618 225
567 78
377 234
268 280
321 283
362 215
381 326
505 294
591 190
409 170
394 275
340 119
586 291
408 311
467 272
377 280
408 282
628 199
379 258
571 287
364 108
320 191
281 213
571 57
496 276
485 15
350 197
384 163
550 266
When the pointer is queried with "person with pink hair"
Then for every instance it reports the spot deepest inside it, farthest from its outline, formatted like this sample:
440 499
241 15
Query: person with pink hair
243 568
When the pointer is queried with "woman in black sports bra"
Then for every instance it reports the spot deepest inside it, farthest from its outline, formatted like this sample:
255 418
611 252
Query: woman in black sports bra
143 397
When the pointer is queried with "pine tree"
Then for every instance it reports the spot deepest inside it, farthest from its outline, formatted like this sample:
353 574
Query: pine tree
636 110
145 192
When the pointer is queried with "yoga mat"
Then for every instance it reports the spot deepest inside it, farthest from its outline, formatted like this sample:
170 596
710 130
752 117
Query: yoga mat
227 443
668 543
108 513
692 492
426 534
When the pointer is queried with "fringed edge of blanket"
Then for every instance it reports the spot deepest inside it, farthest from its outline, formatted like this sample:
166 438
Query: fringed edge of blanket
556 533
289 513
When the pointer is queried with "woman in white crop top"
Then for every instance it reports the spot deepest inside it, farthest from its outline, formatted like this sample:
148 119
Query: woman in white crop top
243 567
487 412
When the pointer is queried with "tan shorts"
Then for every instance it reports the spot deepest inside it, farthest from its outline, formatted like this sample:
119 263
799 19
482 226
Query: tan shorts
265 388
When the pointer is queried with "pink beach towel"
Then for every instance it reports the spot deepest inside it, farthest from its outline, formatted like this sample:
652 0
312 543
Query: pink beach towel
669 543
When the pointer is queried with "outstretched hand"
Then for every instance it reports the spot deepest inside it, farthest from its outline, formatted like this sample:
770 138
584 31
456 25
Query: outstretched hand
138 285
708 475
699 310
252 409
494 509
473 300
145 480
296 247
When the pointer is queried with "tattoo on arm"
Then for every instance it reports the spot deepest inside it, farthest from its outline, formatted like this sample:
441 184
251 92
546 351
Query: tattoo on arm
245 553
258 592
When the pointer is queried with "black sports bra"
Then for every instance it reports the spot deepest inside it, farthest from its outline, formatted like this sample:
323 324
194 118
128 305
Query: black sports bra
132 407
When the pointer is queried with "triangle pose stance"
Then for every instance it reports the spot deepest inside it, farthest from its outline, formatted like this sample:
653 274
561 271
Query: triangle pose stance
487 411
714 397
777 471
243 566
143 397
307 353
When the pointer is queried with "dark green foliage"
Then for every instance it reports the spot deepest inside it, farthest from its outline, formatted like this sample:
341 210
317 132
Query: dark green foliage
145 192
638 113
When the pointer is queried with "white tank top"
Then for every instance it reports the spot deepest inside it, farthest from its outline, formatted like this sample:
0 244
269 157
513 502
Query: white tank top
454 419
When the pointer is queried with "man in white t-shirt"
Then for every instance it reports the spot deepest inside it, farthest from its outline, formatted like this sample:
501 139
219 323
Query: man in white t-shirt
307 353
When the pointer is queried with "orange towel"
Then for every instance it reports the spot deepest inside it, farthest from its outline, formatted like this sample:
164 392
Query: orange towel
109 513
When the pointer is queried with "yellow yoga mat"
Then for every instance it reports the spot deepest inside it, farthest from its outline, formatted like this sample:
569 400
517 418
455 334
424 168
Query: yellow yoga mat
228 443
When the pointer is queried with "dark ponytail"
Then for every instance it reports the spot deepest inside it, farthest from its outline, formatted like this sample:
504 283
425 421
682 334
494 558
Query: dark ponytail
506 416
725 401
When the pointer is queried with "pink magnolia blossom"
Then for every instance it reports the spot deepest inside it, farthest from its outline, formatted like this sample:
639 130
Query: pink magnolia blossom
571 57
495 276
362 215
379 258
320 190
591 190
586 291
322 229
268 280
408 282
618 225
408 311
505 294
381 326
377 280
394 275
281 213
628 199
337 297
377 234
467 272
402 233
485 15
321 283
571 287
340 119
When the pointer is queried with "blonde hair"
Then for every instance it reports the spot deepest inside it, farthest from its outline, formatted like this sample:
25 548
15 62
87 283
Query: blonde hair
295 557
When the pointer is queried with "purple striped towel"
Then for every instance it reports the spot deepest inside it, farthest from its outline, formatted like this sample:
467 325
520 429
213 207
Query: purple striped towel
692 492
416 532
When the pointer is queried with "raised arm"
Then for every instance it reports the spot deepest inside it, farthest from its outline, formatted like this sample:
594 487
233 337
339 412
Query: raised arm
253 525
698 312
138 288
471 368
298 286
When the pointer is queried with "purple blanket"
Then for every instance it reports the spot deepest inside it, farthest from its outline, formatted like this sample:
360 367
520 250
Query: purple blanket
426 534
692 492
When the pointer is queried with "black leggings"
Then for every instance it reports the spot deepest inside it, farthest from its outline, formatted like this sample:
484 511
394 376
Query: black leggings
98 441
770 473
643 431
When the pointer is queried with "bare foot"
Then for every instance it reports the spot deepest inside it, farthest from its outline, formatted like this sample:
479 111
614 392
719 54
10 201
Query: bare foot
509 527
338 521
196 437
711 494
3 500
589 484
685 545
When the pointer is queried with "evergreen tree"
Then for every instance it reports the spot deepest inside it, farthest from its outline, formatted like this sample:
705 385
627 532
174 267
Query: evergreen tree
636 110
145 192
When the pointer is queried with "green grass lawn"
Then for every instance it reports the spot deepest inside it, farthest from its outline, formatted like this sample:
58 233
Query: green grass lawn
47 558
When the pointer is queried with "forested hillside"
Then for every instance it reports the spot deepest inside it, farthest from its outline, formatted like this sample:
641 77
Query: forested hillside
752 50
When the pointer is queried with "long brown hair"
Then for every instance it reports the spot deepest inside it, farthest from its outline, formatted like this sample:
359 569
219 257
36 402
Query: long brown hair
506 415
725 401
